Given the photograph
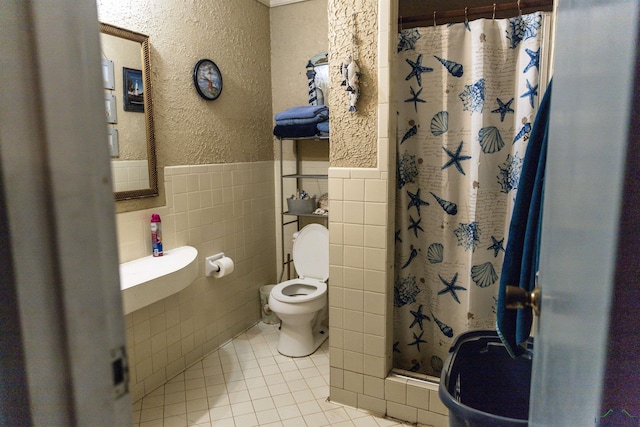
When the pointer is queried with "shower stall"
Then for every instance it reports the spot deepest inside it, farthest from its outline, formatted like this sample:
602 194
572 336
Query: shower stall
467 95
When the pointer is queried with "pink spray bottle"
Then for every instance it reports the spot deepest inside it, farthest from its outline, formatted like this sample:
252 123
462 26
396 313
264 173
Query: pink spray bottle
156 235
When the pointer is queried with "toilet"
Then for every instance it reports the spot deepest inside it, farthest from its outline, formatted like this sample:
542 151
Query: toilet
301 304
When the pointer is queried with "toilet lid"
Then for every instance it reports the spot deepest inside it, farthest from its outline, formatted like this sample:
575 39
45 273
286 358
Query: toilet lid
311 252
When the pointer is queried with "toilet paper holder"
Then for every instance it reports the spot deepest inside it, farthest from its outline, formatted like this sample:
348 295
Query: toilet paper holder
210 266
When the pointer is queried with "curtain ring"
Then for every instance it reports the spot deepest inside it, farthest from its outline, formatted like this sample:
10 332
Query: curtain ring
434 18
519 9
494 12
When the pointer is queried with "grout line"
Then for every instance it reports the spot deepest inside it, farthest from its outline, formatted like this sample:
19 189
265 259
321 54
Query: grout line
230 386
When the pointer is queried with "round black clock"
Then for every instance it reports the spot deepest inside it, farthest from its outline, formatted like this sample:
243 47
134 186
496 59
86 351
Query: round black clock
207 79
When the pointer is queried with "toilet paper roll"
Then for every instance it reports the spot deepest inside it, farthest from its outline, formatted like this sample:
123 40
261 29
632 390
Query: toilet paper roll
225 266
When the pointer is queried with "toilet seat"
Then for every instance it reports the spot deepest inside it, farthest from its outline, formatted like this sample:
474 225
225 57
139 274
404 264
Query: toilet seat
300 290
311 260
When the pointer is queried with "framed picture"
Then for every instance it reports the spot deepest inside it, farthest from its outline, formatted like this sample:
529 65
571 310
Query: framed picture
114 149
107 74
110 106
133 90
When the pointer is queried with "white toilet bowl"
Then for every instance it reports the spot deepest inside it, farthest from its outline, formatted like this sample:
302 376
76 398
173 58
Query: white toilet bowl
301 304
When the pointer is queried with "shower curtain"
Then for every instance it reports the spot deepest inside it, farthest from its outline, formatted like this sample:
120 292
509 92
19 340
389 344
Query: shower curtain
467 95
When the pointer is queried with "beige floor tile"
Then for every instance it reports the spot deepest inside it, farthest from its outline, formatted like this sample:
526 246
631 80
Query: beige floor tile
248 383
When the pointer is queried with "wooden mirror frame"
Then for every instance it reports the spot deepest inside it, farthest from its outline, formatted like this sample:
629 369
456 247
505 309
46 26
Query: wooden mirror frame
152 191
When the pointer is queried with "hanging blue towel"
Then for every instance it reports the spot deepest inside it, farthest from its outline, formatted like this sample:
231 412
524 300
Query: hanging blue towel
521 255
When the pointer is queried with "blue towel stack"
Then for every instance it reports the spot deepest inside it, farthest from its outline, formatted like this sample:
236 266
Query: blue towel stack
303 121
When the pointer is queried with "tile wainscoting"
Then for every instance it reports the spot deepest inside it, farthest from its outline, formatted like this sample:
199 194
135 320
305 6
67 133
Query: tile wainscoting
362 235
215 208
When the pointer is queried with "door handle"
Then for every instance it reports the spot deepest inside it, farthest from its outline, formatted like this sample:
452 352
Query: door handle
517 298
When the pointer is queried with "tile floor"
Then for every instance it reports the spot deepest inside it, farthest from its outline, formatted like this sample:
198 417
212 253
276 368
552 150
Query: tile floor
247 383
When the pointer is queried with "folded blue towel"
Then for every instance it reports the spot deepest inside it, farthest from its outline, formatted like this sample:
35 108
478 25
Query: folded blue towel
316 119
295 131
323 126
304 112
521 255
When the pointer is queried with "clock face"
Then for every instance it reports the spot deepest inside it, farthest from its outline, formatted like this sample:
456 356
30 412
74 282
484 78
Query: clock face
207 79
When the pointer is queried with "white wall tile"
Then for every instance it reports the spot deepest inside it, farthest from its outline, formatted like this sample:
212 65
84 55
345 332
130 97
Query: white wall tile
375 259
353 341
336 276
339 173
336 233
353 212
187 325
372 404
336 255
374 386
375 214
336 357
402 412
374 345
337 338
336 297
432 419
354 278
336 316
354 382
418 396
365 173
335 211
336 377
353 256
375 190
374 324
353 320
343 396
375 303
353 300
335 189
375 281
354 234
435 404
353 189
395 390
353 361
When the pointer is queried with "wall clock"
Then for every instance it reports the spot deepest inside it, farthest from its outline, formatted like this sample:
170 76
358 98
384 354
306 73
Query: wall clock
207 79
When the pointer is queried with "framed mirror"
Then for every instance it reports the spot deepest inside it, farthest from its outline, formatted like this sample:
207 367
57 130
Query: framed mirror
129 111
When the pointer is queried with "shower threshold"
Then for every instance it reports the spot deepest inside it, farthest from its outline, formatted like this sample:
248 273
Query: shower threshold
415 376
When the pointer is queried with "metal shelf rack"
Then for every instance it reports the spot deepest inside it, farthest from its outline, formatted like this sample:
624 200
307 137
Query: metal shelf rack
285 216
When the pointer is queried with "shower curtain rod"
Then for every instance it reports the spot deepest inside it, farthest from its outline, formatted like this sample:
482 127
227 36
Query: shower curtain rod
517 7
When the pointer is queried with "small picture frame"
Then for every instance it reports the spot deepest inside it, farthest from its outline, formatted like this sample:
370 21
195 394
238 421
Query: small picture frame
107 74
112 137
133 90
110 108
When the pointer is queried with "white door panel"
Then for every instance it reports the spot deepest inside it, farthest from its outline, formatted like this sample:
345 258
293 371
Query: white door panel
590 108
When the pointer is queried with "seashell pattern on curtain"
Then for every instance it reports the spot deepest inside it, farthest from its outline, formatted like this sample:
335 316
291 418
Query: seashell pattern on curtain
466 95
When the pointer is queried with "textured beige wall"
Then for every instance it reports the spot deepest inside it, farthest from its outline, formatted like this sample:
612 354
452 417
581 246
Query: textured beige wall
353 135
189 130
298 32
